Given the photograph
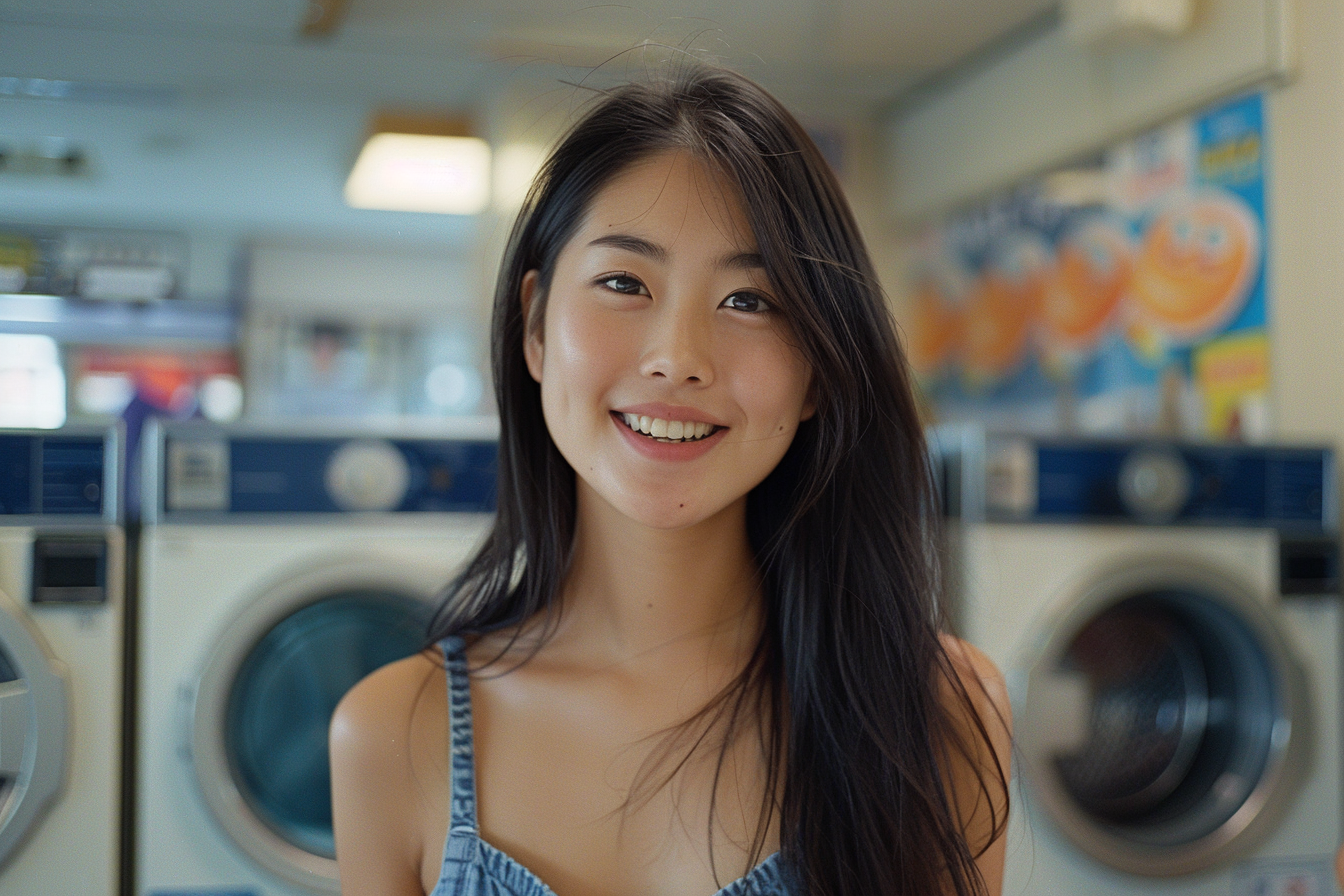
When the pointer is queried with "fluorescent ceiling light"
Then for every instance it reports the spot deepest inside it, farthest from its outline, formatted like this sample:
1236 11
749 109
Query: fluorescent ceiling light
421 173
516 166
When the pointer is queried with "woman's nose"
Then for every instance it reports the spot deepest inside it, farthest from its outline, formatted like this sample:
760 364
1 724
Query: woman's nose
678 347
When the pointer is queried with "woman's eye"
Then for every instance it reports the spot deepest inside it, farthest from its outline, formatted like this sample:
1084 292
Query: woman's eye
749 302
623 283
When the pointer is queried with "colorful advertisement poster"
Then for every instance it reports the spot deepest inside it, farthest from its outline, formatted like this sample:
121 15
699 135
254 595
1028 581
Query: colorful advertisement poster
1119 297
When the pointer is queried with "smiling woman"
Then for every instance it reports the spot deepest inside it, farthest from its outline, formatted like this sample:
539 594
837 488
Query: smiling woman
703 641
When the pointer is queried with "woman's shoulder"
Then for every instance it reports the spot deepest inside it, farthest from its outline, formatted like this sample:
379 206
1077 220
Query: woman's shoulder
979 679
976 699
972 666
377 718
389 779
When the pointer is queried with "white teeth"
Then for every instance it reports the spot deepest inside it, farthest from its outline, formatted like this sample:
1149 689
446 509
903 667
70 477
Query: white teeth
668 430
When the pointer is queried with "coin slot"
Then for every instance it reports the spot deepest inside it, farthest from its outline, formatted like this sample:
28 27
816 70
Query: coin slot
69 571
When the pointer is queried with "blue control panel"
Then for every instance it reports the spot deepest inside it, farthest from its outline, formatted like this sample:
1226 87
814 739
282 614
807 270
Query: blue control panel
53 474
213 472
999 478
1144 481
1208 484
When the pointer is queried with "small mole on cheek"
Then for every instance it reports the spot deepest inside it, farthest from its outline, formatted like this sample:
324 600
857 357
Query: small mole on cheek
681 505
649 605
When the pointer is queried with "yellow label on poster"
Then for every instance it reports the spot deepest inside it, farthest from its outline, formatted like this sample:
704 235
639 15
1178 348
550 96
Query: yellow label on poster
1230 373
17 251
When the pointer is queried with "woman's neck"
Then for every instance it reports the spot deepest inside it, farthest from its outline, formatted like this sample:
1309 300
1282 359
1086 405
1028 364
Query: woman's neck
657 594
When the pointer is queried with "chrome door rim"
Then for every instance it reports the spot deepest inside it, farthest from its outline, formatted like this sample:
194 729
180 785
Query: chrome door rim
208 697
38 703
1286 740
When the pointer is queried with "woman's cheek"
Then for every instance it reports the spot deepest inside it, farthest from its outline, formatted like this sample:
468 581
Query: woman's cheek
780 381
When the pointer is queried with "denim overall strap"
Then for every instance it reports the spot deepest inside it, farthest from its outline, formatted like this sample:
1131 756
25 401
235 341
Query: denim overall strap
462 815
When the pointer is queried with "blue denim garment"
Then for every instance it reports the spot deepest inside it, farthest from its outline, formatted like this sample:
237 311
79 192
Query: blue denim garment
472 867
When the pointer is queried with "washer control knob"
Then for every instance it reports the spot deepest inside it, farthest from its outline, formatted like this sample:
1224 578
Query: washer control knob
367 475
1154 484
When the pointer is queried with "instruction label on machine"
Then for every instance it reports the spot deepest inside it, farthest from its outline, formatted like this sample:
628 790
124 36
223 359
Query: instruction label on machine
1310 876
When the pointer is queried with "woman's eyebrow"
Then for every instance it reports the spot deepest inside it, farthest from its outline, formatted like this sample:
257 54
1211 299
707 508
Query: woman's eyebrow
738 261
634 244
742 261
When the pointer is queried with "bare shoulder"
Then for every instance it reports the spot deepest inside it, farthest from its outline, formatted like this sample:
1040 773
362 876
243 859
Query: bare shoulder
388 764
969 659
381 711
978 781
977 706
981 680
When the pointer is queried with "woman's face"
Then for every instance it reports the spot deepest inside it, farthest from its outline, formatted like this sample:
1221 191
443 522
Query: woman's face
668 381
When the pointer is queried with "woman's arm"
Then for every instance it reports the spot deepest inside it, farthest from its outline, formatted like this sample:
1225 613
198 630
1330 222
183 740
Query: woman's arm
987 765
378 838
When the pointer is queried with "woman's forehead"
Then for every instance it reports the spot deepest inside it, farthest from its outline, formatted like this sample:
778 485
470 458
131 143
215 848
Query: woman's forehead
660 196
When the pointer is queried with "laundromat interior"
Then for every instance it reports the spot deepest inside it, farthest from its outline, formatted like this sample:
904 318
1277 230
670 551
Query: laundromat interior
248 428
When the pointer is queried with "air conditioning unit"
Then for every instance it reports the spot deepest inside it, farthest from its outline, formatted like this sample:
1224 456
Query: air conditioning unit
1103 22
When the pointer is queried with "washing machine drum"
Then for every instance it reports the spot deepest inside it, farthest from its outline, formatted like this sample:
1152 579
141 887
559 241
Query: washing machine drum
1163 719
33 721
263 707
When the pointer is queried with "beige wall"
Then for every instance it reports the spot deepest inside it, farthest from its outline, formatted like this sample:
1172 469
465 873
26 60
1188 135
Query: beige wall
863 178
1306 208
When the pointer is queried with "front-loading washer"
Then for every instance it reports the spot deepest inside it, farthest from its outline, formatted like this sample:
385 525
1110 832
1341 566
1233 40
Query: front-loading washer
276 570
61 614
1168 618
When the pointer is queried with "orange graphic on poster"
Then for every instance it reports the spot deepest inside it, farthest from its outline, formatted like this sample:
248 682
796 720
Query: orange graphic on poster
1093 268
936 320
935 329
1003 309
1196 265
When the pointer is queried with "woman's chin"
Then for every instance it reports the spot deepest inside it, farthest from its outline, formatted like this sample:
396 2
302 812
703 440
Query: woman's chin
665 513
669 518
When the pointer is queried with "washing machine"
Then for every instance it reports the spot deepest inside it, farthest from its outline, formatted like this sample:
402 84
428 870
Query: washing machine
1167 616
61 614
276 570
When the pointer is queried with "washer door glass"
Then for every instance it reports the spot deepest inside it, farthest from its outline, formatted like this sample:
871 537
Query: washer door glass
1157 726
281 702
1149 715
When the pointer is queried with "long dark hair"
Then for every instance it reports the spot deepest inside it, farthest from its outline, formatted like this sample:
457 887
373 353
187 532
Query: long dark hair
850 672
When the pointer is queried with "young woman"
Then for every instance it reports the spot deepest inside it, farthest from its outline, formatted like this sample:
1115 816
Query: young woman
702 644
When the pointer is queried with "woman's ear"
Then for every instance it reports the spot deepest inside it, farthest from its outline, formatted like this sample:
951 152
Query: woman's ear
532 347
810 401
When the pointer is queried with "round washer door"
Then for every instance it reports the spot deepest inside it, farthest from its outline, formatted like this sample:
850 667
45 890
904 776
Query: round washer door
1163 720
258 726
33 719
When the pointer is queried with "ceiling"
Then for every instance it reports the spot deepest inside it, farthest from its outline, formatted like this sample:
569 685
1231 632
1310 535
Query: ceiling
850 55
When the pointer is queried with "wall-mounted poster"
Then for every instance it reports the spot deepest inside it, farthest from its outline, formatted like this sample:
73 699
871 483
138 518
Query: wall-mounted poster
1122 296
